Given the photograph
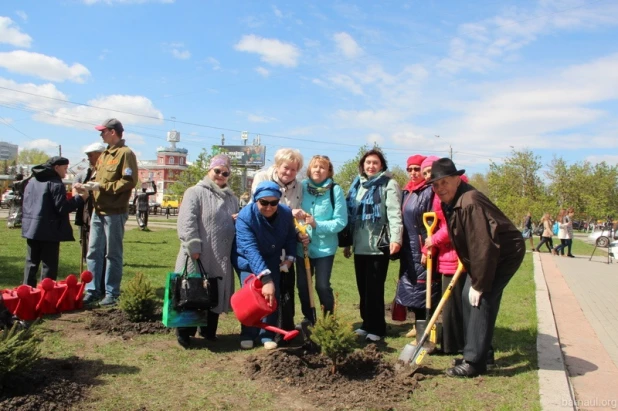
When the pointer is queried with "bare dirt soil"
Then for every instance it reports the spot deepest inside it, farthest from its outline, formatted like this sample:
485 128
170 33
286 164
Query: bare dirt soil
116 322
363 381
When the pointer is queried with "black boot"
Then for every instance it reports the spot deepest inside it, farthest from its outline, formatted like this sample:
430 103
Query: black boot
467 369
183 336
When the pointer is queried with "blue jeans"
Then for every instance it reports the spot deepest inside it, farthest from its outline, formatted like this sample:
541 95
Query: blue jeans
322 268
251 333
106 232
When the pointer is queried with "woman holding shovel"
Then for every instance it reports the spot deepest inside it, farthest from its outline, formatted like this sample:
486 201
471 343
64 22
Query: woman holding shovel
417 200
324 203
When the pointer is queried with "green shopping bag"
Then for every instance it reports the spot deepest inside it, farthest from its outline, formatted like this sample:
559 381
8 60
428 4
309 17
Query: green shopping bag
184 318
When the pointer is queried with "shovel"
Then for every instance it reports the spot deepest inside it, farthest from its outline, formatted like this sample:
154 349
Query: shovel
412 355
304 325
420 325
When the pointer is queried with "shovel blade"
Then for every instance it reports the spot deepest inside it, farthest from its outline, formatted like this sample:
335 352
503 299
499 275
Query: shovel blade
410 358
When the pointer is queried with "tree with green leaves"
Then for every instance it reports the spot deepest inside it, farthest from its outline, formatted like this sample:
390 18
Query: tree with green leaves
516 187
32 156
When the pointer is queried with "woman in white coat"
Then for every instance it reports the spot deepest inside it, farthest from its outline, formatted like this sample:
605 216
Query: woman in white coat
206 232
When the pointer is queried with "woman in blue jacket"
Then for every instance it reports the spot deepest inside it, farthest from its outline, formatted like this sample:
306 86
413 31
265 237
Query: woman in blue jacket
264 229
324 203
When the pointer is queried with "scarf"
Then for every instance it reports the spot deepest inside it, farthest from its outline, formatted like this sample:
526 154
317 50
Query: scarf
369 206
319 189
411 186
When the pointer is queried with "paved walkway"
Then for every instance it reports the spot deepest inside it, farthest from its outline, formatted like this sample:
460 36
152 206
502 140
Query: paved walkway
582 297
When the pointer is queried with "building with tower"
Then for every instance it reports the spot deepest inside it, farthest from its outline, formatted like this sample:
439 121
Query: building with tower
164 171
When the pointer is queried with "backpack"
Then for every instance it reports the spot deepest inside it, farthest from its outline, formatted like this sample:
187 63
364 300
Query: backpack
555 228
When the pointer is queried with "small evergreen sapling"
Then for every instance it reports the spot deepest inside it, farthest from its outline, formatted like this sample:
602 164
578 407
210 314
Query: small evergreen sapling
19 350
138 298
335 338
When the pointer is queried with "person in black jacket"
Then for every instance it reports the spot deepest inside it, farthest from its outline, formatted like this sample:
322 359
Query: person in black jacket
46 218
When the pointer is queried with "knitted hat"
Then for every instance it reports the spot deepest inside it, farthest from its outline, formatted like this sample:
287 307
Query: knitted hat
220 160
429 161
266 189
415 160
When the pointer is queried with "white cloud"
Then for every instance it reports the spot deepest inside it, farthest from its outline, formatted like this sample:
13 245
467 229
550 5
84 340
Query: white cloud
30 96
271 51
111 2
346 82
480 46
134 139
277 12
11 34
42 66
48 146
177 50
22 15
347 45
372 119
141 109
254 118
214 63
263 72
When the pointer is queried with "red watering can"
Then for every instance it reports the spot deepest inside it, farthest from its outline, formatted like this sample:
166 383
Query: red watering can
86 277
50 293
250 307
10 299
28 299
66 302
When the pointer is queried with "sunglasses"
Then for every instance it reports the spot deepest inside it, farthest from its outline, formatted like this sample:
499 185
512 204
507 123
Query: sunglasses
410 169
265 203
223 173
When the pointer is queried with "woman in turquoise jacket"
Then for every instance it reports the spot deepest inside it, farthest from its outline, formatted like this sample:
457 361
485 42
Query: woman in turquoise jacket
325 205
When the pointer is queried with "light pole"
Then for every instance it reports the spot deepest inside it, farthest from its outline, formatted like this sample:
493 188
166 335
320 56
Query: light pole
449 147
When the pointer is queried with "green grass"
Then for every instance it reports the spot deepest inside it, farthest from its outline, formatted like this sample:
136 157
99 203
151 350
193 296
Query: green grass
153 372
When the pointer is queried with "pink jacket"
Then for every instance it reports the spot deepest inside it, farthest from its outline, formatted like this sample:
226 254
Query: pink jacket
446 254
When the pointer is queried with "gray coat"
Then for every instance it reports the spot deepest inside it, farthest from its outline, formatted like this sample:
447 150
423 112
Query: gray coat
206 226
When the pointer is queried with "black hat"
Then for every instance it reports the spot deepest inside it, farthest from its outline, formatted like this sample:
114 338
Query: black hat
443 167
57 161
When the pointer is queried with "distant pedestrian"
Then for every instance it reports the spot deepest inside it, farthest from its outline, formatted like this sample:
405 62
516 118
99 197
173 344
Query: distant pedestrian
528 229
167 212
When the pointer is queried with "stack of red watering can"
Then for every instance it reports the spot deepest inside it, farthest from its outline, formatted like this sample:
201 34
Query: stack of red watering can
49 297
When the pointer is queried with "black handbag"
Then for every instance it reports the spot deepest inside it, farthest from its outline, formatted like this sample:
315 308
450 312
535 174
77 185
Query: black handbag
384 240
196 292
345 236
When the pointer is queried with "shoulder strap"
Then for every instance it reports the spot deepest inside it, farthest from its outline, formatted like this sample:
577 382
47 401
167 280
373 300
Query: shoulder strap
332 195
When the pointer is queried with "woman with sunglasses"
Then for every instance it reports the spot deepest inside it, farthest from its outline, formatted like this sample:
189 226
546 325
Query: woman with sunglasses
264 229
206 232
287 164
324 203
417 200
373 202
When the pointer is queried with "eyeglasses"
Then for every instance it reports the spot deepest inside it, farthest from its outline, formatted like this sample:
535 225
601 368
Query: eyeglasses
318 156
223 173
410 169
265 203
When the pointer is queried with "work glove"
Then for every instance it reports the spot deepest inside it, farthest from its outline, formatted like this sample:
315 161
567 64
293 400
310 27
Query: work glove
92 186
474 297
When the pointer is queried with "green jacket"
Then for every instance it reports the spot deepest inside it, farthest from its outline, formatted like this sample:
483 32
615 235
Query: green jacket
116 171
366 236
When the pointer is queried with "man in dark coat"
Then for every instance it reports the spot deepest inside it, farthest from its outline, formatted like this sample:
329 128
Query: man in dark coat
46 218
490 247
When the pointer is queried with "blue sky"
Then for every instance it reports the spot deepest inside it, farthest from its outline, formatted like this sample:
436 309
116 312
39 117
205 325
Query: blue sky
324 77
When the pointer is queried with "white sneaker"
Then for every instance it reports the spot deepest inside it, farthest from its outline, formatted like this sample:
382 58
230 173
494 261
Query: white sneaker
373 337
270 345
360 332
246 344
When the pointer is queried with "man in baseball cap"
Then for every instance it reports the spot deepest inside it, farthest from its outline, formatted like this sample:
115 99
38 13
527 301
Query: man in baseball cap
112 124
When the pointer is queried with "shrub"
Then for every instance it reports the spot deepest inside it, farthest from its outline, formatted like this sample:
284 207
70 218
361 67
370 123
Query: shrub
138 298
19 349
335 338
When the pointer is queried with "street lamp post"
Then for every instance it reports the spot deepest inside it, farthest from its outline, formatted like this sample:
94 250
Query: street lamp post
449 147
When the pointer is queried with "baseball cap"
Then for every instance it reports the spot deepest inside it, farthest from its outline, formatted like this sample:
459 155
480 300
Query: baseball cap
111 123
95 148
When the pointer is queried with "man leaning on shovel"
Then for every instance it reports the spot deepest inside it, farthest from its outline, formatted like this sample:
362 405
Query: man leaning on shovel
490 247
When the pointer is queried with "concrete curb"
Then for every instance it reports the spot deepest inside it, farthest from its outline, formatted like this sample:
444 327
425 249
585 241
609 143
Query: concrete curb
554 383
